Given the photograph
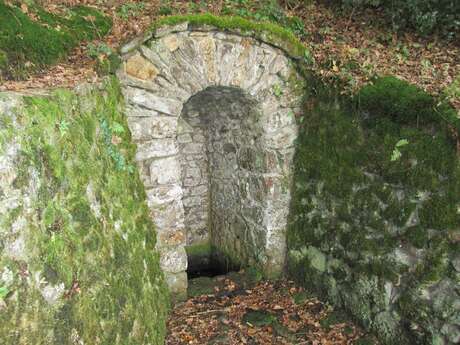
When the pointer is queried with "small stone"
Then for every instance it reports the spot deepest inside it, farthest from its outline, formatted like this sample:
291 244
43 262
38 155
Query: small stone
317 259
168 29
149 100
171 42
452 332
177 283
52 293
139 67
148 128
156 149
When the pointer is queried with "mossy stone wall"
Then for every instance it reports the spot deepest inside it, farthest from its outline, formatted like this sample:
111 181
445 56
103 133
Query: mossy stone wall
375 214
78 263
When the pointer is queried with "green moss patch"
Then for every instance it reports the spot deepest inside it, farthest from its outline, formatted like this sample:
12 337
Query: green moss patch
90 270
374 200
30 44
402 102
201 286
258 318
265 31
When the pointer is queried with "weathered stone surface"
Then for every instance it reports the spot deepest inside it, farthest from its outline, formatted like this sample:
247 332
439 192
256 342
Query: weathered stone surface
138 67
151 101
173 259
156 149
69 214
168 29
234 126
147 128
165 171
177 283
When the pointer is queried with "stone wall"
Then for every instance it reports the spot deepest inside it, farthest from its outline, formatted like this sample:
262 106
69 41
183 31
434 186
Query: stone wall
192 137
77 245
184 83
377 235
225 173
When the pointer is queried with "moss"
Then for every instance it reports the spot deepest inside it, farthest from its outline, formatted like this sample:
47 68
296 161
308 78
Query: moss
201 286
265 31
301 297
333 318
225 259
258 318
3 61
397 99
32 44
199 256
88 227
199 250
357 206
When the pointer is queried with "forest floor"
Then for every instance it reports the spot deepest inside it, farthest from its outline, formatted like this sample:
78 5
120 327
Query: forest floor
349 48
234 310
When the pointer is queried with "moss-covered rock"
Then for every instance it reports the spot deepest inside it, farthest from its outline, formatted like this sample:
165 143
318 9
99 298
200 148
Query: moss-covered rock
264 31
38 38
375 201
78 262
398 100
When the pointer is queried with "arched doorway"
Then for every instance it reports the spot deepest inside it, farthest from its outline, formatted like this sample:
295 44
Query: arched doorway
213 117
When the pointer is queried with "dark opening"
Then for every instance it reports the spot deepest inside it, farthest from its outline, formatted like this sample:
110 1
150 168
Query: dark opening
209 266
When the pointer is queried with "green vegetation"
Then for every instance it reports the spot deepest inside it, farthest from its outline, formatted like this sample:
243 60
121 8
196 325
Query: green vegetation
356 203
127 10
397 100
259 318
266 11
333 318
265 31
89 236
424 16
261 11
30 44
201 286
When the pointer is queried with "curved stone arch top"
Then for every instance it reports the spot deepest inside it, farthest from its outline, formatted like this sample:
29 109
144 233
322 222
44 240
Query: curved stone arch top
184 69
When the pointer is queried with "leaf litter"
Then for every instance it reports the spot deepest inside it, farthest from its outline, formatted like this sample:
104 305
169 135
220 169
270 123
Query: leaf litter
267 312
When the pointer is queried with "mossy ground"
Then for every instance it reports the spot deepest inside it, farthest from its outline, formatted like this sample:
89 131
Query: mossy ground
28 44
88 229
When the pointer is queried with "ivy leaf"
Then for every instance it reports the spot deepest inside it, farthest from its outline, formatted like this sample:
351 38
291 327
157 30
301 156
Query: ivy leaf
395 155
402 142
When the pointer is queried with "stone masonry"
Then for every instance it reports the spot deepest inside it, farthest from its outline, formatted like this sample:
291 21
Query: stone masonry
213 116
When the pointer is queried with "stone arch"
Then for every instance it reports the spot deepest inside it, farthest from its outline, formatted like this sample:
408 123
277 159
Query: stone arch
186 88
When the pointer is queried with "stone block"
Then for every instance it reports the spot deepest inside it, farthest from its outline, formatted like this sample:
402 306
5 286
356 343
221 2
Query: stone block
148 128
171 238
177 284
168 217
151 101
156 148
165 171
168 29
173 259
139 67
161 195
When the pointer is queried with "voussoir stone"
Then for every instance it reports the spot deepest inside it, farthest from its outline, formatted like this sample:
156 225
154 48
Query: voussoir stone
141 68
